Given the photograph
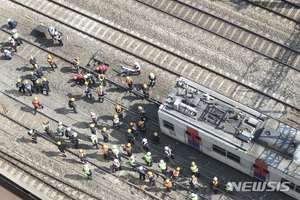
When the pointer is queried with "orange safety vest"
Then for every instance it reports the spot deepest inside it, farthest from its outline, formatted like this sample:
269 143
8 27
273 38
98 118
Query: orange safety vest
129 81
128 149
215 182
50 60
194 181
134 126
116 121
175 173
35 103
81 155
100 92
168 185
119 110
105 151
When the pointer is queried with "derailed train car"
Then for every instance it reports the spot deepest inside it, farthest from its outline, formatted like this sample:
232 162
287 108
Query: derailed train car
260 146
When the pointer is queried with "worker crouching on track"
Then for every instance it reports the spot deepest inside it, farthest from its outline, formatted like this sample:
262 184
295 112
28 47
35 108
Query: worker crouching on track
33 135
62 148
116 165
36 104
79 79
101 69
20 85
72 104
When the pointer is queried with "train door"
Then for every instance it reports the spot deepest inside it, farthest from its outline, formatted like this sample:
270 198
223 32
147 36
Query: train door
193 137
260 170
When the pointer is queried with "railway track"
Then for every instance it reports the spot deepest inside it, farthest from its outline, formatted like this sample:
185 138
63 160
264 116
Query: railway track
284 8
230 31
240 90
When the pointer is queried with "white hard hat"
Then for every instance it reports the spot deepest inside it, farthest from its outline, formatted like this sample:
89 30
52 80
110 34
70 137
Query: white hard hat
131 157
215 178
162 161
9 38
166 148
193 195
60 123
145 140
86 166
30 131
75 134
14 31
114 146
229 184
8 20
93 113
141 168
68 129
116 160
93 136
149 154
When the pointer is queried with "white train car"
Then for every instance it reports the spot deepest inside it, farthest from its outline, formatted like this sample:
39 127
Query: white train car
233 133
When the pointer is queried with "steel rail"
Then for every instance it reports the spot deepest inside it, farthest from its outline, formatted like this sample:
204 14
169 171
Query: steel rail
71 152
150 62
222 19
292 3
226 38
35 176
273 11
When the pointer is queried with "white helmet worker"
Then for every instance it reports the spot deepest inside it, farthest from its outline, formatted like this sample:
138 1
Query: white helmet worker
149 154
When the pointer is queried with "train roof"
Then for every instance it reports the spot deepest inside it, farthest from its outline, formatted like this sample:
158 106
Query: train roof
245 129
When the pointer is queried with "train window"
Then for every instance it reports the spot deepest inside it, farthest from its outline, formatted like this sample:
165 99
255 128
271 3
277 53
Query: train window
168 125
219 150
197 138
290 185
188 133
297 188
266 171
233 157
255 166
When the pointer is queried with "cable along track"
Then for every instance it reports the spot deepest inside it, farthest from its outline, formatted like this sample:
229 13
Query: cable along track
144 50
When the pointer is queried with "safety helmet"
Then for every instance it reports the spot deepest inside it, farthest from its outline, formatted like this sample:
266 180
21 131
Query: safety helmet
141 168
131 123
145 140
31 73
193 163
26 82
9 38
144 86
49 56
92 125
97 68
80 150
75 77
77 58
104 129
140 107
35 65
102 76
86 166
178 168
86 83
193 195
127 77
128 144
18 80
151 75
155 134
45 122
162 161
149 173
167 180
30 131
114 146
100 86
131 157
31 57
60 123
149 154
58 143
8 20
141 122
116 160
93 114
72 99
129 130
75 134
93 136
118 107
215 179
193 176
44 79
68 129
35 98
105 146
37 81
85 76
166 148
14 31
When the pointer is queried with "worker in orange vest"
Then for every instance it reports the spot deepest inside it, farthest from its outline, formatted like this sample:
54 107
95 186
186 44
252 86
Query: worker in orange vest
51 62
105 151
133 127
36 104
87 90
128 149
82 156
116 121
168 185
193 182
101 94
176 173
129 82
